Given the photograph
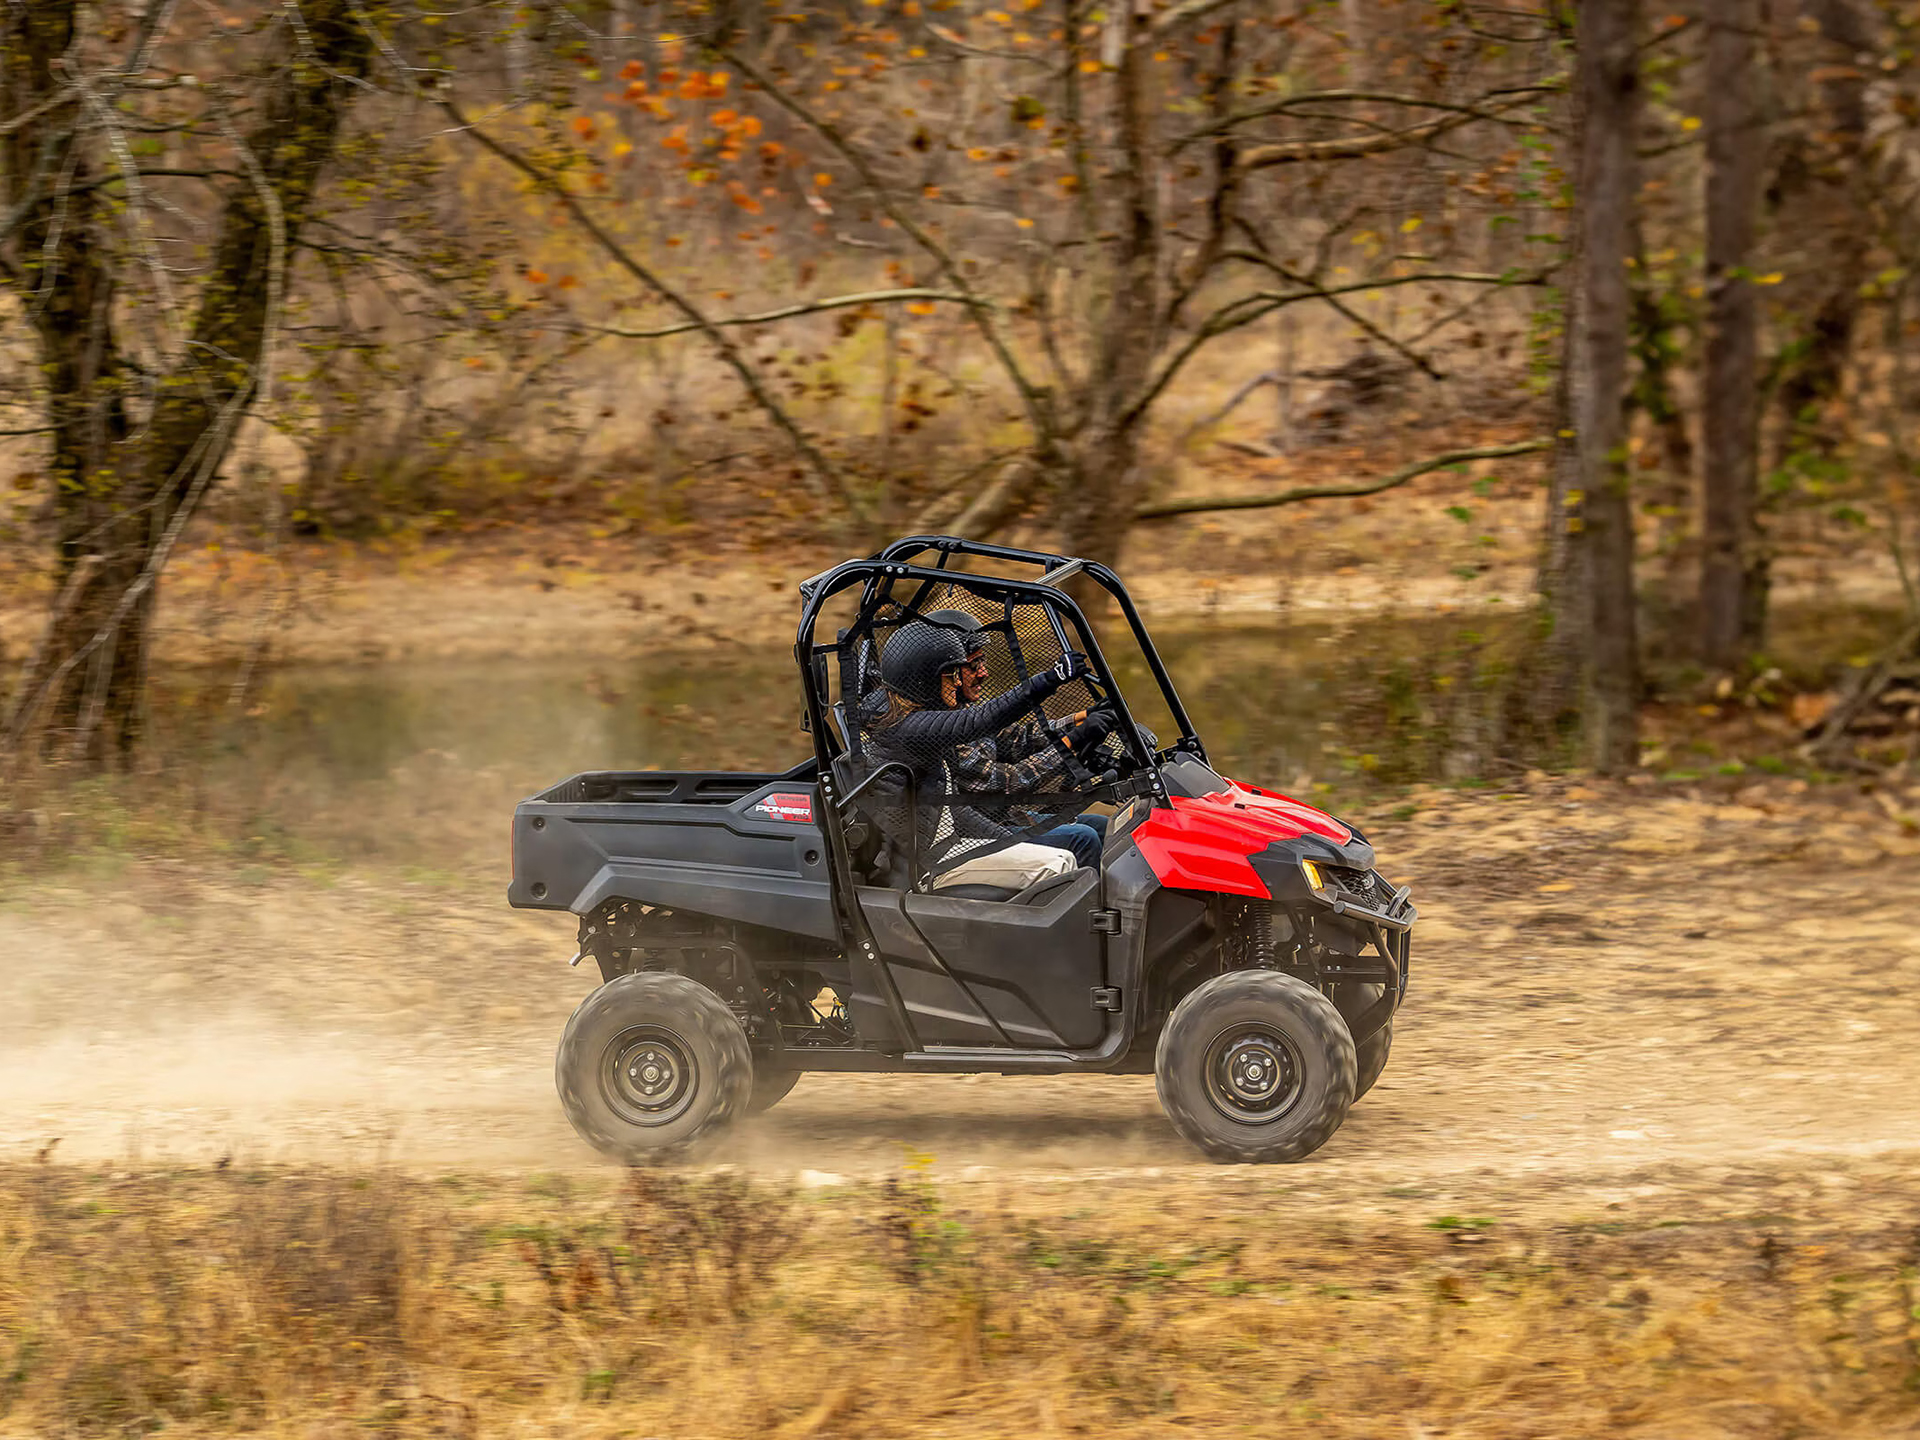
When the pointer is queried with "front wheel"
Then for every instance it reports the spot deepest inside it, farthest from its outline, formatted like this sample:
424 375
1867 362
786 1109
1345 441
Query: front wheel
650 1065
1256 1067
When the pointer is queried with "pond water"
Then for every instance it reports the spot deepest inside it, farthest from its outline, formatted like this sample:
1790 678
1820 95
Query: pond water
323 741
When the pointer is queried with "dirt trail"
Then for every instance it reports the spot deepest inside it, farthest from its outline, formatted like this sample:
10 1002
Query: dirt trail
1610 993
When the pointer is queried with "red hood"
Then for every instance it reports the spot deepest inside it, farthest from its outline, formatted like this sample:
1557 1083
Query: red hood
1290 818
1204 844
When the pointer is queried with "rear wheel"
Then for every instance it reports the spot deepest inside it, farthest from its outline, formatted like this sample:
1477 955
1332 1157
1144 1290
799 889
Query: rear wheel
650 1065
1256 1067
1371 1057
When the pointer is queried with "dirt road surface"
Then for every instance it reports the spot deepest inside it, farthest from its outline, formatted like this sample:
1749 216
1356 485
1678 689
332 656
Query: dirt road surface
1614 995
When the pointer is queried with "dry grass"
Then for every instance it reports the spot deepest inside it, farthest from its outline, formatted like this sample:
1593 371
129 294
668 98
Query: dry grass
327 1303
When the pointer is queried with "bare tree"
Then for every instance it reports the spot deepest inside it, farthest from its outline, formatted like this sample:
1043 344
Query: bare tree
1821 190
1600 582
1174 232
143 392
1730 562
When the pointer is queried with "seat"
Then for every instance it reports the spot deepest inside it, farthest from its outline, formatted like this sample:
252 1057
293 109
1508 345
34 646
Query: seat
1005 874
1043 890
873 855
1038 893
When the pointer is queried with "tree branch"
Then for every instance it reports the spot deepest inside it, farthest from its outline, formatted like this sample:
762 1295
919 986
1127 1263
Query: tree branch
1234 402
28 116
767 317
1299 152
827 476
1246 309
1346 311
1372 97
1038 415
1184 11
1168 509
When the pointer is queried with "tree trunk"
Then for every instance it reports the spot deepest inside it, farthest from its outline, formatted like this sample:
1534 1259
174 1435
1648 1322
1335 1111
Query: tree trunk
1553 694
58 252
1822 194
1601 524
1729 399
1101 492
123 489
1670 497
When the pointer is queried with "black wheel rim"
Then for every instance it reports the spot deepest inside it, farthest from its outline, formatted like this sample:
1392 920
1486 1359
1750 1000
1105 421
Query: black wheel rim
648 1076
1254 1074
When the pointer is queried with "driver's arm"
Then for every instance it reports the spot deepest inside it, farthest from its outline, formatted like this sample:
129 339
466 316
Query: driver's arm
927 730
977 769
1025 736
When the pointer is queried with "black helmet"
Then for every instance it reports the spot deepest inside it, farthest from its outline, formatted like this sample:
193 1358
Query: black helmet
960 622
916 657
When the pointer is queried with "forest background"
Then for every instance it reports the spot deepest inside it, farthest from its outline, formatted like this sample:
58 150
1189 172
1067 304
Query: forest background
1621 294
1586 325
1503 413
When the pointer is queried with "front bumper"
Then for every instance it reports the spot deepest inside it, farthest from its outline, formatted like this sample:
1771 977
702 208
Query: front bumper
1397 914
1336 929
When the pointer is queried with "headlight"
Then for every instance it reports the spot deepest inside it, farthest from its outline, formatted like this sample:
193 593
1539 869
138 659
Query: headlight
1315 882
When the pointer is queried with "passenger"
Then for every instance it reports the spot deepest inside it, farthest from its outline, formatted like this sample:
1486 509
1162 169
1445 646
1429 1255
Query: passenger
1020 758
919 719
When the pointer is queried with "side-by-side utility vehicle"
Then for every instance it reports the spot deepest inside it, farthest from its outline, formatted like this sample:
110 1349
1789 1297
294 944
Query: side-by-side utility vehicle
986 864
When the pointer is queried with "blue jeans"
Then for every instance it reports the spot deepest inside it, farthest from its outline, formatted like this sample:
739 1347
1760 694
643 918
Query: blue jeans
1085 837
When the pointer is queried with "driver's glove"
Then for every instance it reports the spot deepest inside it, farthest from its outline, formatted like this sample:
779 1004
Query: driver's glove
1070 666
1089 732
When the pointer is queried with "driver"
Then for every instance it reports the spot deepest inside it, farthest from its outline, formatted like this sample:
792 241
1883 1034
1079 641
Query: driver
1018 759
920 716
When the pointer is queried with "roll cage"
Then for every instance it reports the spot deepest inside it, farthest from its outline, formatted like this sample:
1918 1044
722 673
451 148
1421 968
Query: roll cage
904 561
904 574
